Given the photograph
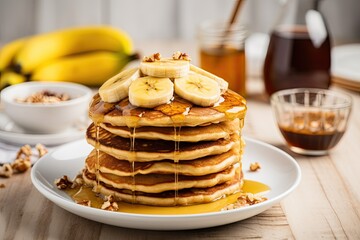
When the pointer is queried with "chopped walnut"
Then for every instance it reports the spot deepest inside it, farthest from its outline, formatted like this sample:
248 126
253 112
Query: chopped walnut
152 58
78 181
84 203
181 56
245 199
21 165
110 204
24 152
41 149
44 97
2 185
6 170
63 182
255 166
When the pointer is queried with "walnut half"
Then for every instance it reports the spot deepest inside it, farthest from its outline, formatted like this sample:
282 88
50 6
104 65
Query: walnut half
181 56
152 58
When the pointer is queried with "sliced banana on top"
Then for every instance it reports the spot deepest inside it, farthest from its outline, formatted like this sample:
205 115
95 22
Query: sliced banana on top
117 87
165 67
149 92
222 83
198 89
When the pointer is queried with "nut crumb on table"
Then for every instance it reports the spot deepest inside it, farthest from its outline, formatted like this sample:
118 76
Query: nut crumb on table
2 185
6 170
22 161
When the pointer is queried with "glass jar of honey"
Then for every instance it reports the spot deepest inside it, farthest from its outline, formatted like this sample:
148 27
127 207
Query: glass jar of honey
222 52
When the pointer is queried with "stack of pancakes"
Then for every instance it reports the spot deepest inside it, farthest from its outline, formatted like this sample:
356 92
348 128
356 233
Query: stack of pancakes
174 154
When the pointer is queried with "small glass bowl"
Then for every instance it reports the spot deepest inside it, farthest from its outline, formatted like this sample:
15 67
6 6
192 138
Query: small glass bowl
311 120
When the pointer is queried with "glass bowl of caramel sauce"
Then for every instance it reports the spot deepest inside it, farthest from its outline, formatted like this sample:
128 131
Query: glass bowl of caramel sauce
311 120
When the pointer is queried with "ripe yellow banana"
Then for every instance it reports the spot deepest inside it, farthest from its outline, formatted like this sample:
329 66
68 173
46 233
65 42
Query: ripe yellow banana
8 78
91 69
8 52
43 48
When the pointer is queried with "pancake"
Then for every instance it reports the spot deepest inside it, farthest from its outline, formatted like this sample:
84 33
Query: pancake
198 167
177 112
184 197
148 150
155 183
187 134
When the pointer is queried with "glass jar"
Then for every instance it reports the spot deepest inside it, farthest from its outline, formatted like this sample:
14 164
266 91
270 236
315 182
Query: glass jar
222 52
299 54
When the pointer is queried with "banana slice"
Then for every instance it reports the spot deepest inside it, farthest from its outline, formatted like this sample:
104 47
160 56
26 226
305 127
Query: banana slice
222 83
198 89
149 92
165 67
117 87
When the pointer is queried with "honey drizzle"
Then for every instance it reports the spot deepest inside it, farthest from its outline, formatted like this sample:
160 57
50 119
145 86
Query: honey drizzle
132 121
85 193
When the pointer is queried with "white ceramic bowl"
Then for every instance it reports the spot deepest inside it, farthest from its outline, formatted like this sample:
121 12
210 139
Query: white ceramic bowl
46 117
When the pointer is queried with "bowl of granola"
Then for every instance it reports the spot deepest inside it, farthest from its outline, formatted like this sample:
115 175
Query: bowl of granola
45 107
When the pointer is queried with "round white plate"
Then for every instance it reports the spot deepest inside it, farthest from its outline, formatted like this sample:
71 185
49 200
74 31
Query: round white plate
11 133
346 63
279 171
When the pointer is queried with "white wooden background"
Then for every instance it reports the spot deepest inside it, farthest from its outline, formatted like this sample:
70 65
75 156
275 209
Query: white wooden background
162 19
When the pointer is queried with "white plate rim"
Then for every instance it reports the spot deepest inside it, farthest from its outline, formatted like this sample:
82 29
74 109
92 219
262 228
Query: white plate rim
47 139
338 69
89 213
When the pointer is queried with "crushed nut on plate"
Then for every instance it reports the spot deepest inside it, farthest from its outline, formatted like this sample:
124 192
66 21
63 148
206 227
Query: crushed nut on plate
245 199
255 166
63 182
84 203
181 56
152 58
78 181
110 204
6 170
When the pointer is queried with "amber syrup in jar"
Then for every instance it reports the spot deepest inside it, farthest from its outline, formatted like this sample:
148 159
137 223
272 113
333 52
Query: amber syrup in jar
293 61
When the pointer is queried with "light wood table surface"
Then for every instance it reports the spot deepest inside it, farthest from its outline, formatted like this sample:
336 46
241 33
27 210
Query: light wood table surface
326 204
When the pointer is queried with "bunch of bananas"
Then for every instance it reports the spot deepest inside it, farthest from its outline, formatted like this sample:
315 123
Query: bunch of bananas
85 55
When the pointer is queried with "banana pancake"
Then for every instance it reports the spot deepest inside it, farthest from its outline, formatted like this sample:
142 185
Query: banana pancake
150 150
198 167
155 183
178 112
187 134
188 196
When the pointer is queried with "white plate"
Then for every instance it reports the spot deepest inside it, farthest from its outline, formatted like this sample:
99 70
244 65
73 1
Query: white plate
11 133
279 171
346 63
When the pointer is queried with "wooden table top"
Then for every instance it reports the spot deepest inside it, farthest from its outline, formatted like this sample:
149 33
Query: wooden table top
326 204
